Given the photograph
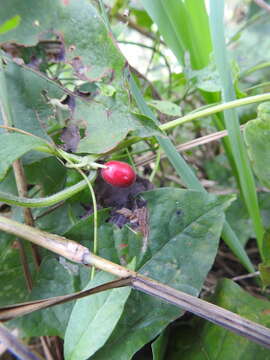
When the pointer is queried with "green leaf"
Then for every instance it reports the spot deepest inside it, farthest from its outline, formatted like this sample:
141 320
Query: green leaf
29 110
184 233
13 146
13 286
159 345
49 173
53 279
106 90
206 79
98 53
266 246
264 269
10 24
142 18
239 153
188 177
93 319
97 60
59 219
257 136
82 232
8 184
127 243
237 216
184 27
203 340
112 127
166 107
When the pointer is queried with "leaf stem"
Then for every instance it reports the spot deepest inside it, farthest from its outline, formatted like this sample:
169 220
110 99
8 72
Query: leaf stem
95 247
46 201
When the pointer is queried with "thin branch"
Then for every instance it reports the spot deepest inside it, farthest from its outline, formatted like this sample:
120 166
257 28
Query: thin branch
10 312
146 159
246 276
27 213
262 4
17 169
158 52
136 27
46 348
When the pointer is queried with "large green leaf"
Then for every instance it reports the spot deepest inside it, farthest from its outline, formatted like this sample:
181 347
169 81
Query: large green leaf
13 285
8 184
78 23
29 110
93 58
83 231
49 173
53 279
93 319
257 136
159 346
237 216
184 232
189 178
203 340
14 146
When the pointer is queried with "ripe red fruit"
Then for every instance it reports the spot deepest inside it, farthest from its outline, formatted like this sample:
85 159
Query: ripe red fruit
118 173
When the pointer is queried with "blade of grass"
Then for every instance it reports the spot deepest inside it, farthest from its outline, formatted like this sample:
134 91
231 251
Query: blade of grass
188 22
183 21
182 169
184 25
188 176
246 179
178 23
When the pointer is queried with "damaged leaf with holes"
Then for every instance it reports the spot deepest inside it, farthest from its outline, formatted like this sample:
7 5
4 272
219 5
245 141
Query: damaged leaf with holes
88 57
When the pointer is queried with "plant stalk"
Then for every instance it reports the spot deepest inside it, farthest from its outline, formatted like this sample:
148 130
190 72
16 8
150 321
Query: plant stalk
80 254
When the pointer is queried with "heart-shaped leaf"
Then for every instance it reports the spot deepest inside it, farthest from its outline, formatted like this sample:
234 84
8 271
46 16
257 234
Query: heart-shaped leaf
100 106
185 227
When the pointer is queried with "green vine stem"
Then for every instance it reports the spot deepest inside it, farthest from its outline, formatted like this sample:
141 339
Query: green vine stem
95 247
49 200
215 109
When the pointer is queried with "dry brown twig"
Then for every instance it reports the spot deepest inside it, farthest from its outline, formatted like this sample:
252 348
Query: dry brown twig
146 159
82 255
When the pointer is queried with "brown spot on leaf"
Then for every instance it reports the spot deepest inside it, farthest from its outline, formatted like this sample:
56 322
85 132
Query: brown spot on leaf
122 246
44 52
72 48
71 138
70 101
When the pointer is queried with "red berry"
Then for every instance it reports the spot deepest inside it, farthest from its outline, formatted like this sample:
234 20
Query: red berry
118 173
